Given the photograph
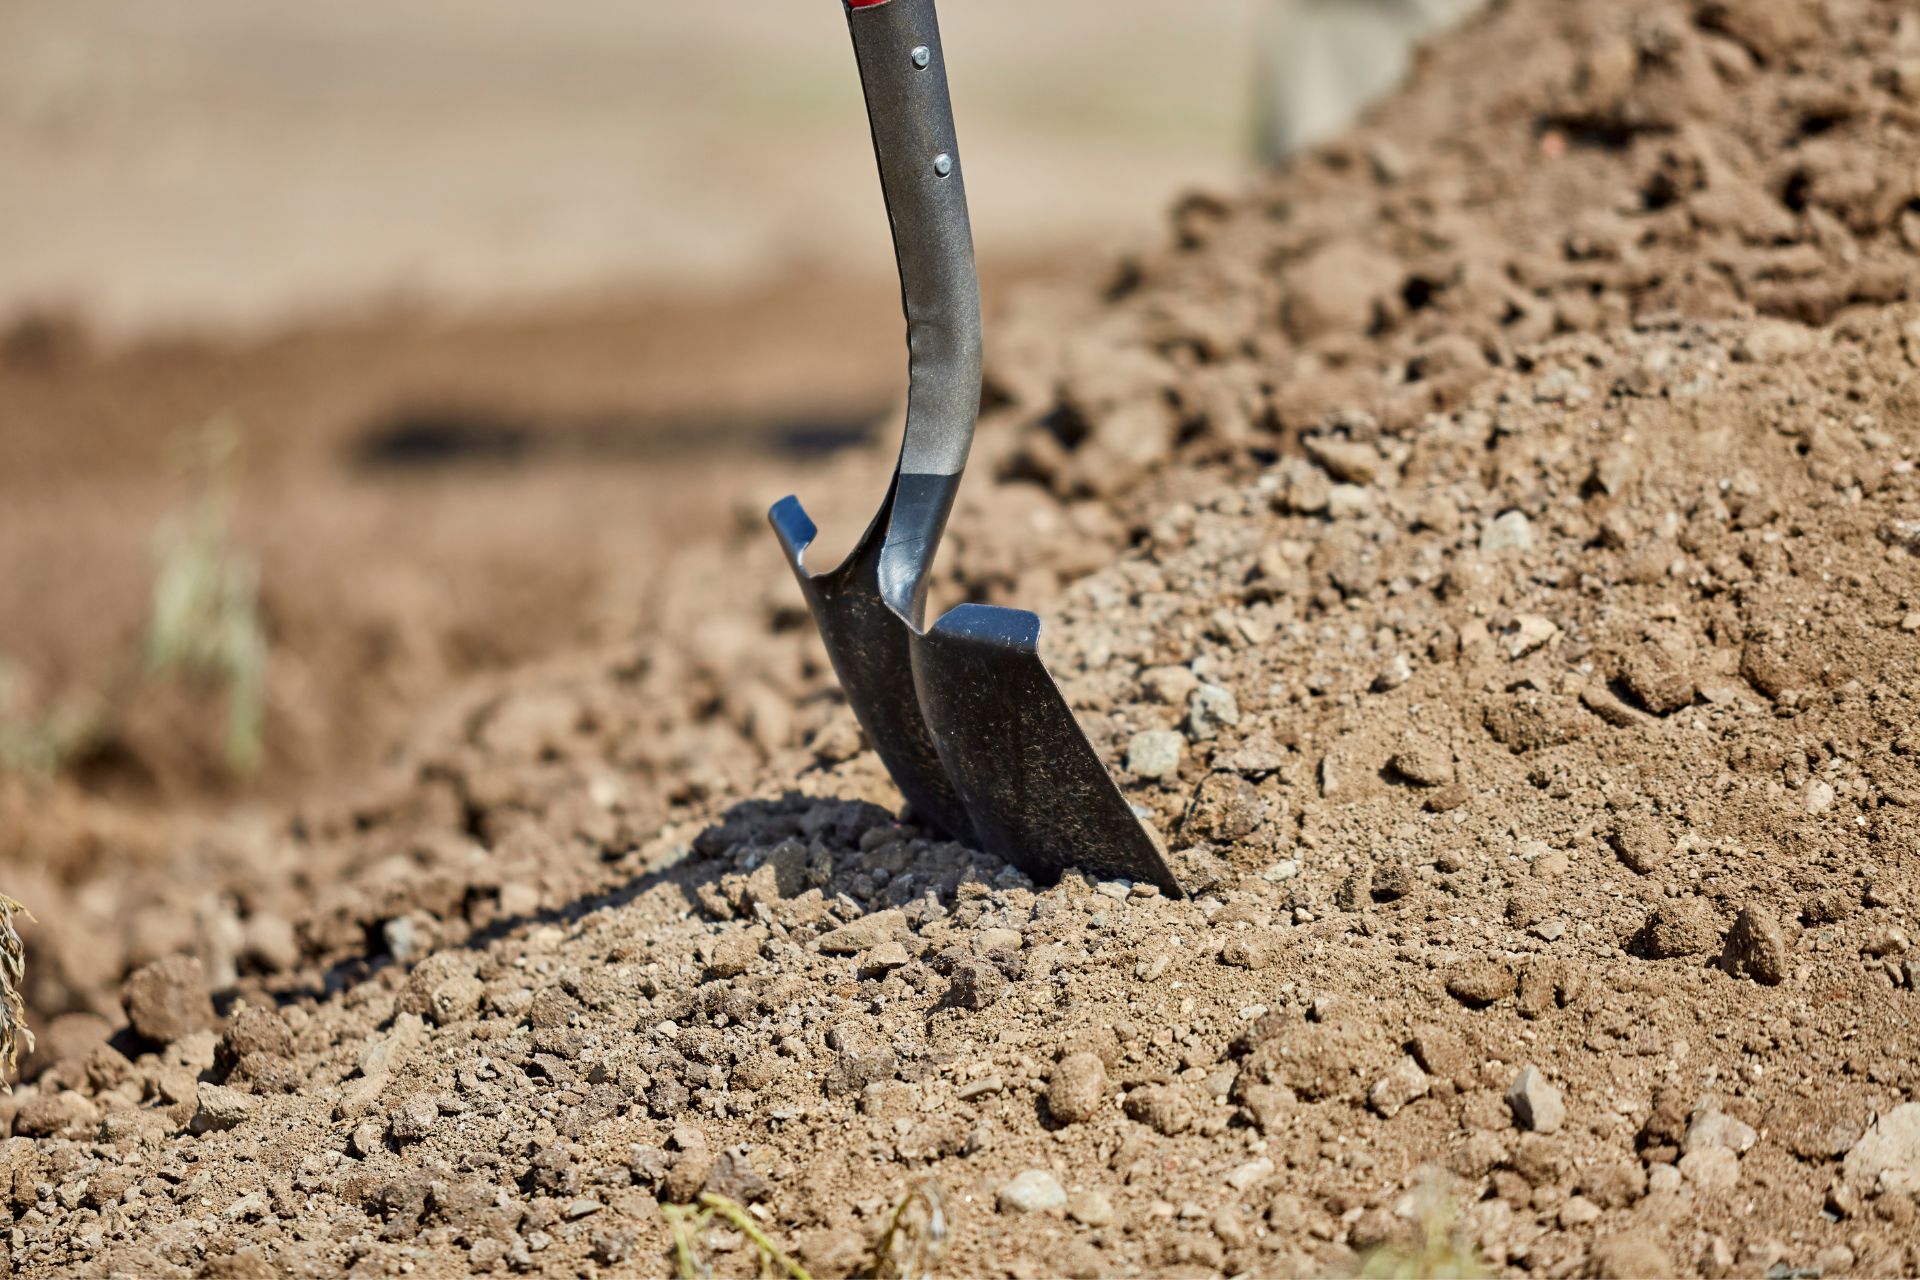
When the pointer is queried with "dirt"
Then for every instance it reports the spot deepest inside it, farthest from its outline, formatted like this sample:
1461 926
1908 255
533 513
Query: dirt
1521 557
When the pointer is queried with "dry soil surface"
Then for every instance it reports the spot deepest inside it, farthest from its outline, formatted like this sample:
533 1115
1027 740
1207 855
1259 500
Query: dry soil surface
1486 555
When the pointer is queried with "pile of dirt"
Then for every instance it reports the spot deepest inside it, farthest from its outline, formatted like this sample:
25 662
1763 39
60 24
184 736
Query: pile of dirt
1623 163
1532 724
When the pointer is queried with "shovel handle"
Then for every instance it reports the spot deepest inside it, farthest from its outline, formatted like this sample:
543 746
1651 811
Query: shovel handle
904 76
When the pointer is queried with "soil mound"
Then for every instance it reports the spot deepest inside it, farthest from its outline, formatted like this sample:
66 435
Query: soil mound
1488 565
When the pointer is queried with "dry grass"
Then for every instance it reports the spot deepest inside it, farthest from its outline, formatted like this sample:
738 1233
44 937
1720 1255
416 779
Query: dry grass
14 1035
915 1237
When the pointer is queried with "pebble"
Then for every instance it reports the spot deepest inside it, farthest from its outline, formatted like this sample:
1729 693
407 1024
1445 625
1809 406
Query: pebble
1078 1086
980 1088
1717 1129
1536 1104
1478 984
1711 1168
1819 796
1530 631
977 984
1403 1083
1439 1050
884 959
864 934
989 941
1246 953
1424 762
1889 1152
1090 1209
1251 1174
1155 753
1210 708
1681 927
1511 531
1396 672
168 999
1640 842
1034 1191
1161 1108
1655 680
219 1107
733 955
1756 947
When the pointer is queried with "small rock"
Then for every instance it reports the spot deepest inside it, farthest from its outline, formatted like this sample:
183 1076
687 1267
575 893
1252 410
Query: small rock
884 959
990 942
1260 754
1169 685
414 1119
1511 531
1243 952
1478 984
219 1107
168 999
1640 842
1346 460
1756 947
1034 1191
1629 1257
1681 927
366 1139
1718 1129
1155 753
1439 1050
1078 1086
1403 1083
1424 762
1250 1174
1396 672
1226 807
1162 1108
1536 1104
1210 709
733 954
864 934
1090 1209
1711 1168
66 1114
1889 1153
1656 681
977 984
254 1204
1529 631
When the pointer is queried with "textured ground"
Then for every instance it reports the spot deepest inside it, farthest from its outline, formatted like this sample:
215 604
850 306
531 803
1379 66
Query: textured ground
1486 553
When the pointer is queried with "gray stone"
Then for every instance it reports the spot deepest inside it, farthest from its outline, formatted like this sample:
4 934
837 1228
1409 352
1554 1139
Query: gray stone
1718 1129
1889 1152
219 1107
1034 1191
1210 708
1155 753
1535 1103
1511 531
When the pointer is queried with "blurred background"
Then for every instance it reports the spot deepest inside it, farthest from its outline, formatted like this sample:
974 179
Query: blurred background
351 352
334 315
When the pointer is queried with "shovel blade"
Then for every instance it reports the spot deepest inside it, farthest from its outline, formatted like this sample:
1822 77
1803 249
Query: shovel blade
868 644
1034 787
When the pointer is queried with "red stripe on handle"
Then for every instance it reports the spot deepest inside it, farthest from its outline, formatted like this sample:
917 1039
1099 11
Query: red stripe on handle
863 4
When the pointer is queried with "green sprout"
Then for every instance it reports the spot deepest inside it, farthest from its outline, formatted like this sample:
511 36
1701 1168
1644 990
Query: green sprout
1437 1256
204 619
686 1222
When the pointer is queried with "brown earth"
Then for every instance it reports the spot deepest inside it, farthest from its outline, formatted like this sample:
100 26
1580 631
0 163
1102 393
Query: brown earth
1486 554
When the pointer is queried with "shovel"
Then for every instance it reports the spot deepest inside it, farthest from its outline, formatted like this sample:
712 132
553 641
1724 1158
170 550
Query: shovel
964 715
